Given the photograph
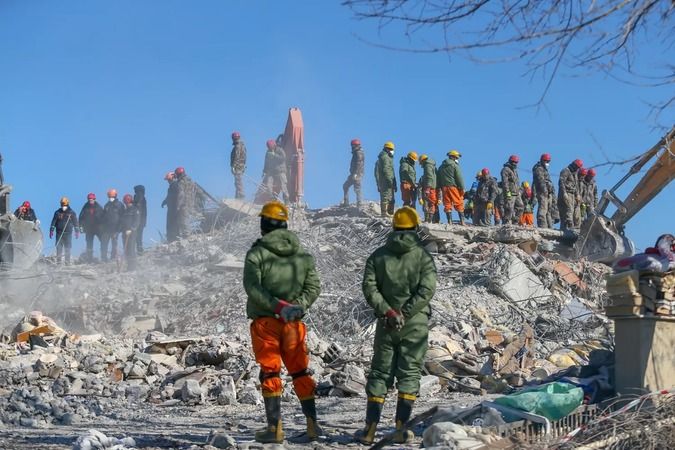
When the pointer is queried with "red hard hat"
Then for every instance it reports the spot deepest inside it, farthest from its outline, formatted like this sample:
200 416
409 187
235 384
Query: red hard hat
591 172
91 196
236 135
128 199
26 204
485 172
356 142
514 158
579 163
583 171
546 157
271 143
180 171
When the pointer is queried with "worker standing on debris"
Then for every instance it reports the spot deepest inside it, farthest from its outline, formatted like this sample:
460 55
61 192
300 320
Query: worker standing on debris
170 203
185 201
385 178
528 201
484 199
25 212
281 282
543 190
590 190
511 190
470 197
64 223
91 217
238 164
451 182
110 229
142 205
130 222
274 172
355 177
568 193
408 179
428 185
398 283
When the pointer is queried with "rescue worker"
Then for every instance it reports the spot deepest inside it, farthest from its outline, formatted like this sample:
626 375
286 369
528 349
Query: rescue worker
110 226
484 203
590 193
568 192
408 178
64 223
355 177
451 182
281 282
274 172
544 191
398 283
130 222
238 164
184 201
428 185
25 212
142 205
470 198
385 178
528 200
510 190
170 203
91 218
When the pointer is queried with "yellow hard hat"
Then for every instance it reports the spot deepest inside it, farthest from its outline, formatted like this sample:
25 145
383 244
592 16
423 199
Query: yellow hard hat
454 153
65 201
389 145
405 218
526 184
413 156
423 158
275 210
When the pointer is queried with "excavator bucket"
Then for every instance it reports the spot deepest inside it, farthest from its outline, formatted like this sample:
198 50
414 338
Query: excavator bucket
294 146
599 240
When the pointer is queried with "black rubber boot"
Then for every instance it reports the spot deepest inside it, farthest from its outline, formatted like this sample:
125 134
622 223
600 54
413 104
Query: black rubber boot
273 433
373 414
403 412
314 431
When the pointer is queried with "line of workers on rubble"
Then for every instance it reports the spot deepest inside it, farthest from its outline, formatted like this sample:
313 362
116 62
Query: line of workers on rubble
282 283
489 200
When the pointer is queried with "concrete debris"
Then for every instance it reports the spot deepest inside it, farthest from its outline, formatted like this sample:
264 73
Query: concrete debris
95 440
175 332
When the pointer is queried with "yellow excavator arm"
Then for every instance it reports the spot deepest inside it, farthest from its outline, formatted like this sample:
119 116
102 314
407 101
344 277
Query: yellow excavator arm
602 238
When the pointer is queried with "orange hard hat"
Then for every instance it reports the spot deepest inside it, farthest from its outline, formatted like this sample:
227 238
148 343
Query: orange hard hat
112 193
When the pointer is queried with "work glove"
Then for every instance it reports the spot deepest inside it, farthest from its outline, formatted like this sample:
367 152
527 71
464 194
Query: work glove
394 319
421 201
51 233
291 313
489 205
127 233
508 195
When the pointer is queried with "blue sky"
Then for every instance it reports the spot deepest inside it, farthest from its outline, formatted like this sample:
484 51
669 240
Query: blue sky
112 94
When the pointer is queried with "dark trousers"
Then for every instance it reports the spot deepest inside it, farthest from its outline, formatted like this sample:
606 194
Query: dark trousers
139 239
89 238
129 241
64 242
107 237
171 225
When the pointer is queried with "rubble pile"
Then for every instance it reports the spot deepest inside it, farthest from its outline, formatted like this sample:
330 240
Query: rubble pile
506 313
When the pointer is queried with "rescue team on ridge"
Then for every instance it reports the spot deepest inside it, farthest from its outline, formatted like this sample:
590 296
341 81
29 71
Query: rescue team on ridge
488 200
282 283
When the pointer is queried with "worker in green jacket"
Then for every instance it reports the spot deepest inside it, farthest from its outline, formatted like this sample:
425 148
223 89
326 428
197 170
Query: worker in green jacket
428 186
398 283
386 179
451 182
408 178
281 282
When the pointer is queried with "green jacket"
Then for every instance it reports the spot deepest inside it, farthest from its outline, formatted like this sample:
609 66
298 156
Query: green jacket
429 174
400 275
449 174
384 171
406 171
276 267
